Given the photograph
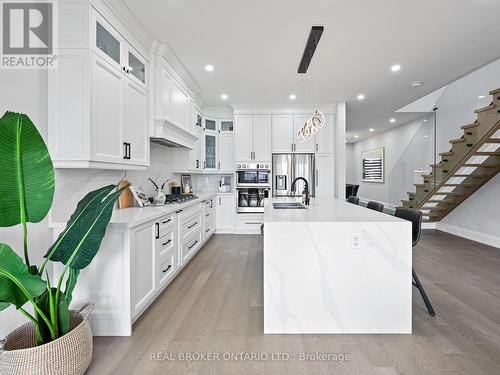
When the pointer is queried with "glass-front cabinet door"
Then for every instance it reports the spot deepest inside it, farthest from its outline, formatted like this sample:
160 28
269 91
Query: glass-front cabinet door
210 124
210 151
108 42
226 126
136 67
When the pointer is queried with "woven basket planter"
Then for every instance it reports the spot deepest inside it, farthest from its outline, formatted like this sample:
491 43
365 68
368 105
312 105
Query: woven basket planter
70 354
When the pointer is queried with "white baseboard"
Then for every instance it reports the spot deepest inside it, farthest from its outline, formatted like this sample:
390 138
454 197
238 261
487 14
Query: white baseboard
429 226
483 238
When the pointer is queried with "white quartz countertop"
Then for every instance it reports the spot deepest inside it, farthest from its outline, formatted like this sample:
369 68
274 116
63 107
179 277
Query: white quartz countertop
324 210
134 216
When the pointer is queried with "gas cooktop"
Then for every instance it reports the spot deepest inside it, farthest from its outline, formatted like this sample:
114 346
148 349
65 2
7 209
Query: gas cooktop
179 198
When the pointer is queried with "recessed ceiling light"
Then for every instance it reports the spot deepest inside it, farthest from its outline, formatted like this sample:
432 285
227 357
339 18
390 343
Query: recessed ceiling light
416 84
361 96
371 129
396 68
425 120
392 120
223 97
356 136
209 68
481 96
292 97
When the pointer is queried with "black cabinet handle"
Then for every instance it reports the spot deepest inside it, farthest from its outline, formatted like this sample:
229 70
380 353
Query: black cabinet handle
178 212
126 150
166 243
166 269
157 225
197 164
207 215
124 69
194 243
166 221
193 225
208 230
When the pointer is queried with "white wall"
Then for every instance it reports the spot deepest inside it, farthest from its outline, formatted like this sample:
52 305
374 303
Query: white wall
26 92
395 142
477 218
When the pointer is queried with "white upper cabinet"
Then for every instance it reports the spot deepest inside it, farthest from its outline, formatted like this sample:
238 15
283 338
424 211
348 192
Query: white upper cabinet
210 145
324 138
136 66
136 113
226 152
226 126
108 104
243 139
261 138
283 139
108 43
98 97
210 124
253 138
301 146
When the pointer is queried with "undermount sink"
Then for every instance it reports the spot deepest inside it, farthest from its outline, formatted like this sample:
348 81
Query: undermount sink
288 205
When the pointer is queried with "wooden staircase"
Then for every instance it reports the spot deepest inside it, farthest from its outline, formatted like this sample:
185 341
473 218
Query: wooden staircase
472 161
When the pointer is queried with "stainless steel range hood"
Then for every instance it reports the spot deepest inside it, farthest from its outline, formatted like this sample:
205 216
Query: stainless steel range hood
171 135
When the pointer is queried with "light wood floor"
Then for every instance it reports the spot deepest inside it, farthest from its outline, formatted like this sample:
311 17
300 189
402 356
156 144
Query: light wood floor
215 305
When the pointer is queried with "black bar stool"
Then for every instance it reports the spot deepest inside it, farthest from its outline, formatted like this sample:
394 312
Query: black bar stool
415 217
354 200
375 206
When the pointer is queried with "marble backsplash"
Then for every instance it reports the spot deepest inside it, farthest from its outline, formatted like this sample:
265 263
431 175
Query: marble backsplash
73 184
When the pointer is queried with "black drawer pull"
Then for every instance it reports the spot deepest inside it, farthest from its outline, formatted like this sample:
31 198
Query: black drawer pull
166 269
178 212
193 225
166 243
208 230
166 221
157 227
195 242
207 215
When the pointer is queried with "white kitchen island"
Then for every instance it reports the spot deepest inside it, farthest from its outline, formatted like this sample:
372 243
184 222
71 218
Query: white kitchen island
335 267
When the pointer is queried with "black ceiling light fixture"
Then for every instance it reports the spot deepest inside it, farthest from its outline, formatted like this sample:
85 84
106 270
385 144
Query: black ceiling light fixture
312 43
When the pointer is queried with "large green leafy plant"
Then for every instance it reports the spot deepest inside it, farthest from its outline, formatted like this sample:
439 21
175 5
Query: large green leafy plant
26 192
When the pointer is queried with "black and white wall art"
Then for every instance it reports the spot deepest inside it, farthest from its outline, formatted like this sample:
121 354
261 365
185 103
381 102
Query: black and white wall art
373 165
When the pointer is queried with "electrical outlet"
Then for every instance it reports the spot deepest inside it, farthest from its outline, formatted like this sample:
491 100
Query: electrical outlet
356 241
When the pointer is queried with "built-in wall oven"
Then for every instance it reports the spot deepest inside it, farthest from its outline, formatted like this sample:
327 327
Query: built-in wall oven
253 183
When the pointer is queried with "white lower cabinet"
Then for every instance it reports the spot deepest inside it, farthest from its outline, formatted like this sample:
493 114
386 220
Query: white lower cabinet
209 218
225 213
137 262
143 266
249 223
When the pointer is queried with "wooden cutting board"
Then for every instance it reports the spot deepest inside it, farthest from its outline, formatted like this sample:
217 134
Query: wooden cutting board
126 200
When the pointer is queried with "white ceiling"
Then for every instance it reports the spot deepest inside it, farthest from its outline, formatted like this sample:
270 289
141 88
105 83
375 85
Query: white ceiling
255 47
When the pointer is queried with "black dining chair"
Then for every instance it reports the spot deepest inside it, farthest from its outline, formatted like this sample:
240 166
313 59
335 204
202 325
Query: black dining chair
355 189
375 206
349 188
353 200
415 217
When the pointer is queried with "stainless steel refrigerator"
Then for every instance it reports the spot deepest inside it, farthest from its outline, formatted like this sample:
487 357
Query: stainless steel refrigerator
287 167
